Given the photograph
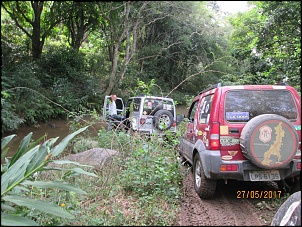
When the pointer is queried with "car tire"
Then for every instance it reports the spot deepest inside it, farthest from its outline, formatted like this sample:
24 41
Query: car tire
289 213
269 141
204 187
163 117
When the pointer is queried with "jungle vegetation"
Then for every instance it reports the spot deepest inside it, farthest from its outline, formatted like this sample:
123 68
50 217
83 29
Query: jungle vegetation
62 57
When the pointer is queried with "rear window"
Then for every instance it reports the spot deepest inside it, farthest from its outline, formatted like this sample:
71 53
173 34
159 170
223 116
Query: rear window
243 105
151 106
132 105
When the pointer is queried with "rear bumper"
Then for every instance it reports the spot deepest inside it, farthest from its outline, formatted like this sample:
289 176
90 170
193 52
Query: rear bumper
153 131
212 161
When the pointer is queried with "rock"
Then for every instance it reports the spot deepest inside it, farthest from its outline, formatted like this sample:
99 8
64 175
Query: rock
95 156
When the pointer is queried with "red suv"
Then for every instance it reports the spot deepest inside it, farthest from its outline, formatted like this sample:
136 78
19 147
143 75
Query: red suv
243 132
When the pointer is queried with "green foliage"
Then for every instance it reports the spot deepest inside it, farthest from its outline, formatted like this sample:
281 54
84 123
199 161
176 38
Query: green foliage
182 126
16 178
35 92
267 41
65 73
23 102
182 98
142 87
36 20
183 46
84 19
107 194
10 121
165 176
62 62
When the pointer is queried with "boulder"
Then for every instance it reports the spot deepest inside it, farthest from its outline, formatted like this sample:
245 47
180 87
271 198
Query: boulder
95 156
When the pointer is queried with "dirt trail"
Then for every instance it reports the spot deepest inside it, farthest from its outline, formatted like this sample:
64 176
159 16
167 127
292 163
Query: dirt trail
225 209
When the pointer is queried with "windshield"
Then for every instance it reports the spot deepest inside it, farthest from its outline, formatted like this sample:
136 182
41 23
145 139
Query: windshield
243 105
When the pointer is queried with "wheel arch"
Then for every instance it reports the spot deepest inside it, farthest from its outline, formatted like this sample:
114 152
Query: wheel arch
199 149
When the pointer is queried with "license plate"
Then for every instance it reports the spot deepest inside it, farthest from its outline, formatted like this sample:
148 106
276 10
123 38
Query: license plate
269 175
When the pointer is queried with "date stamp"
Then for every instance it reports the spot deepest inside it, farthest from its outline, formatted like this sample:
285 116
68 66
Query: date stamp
254 194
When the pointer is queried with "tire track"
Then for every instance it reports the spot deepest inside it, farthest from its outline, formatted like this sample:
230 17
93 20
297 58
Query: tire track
224 210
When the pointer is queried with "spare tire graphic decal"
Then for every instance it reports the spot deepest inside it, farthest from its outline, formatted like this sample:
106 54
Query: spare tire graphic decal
275 148
270 154
265 134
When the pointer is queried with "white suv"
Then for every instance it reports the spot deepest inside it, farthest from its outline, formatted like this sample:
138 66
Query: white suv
146 114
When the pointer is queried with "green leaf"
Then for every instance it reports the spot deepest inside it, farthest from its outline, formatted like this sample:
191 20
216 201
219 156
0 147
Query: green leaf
54 184
50 142
62 145
6 140
3 154
36 142
21 188
38 158
39 205
7 207
61 162
81 171
22 148
17 170
12 220
12 175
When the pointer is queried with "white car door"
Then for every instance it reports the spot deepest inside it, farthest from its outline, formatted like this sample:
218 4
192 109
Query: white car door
119 106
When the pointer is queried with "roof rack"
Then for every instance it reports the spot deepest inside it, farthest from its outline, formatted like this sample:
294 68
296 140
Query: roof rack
210 88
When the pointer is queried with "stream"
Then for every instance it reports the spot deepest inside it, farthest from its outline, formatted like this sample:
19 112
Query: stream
54 128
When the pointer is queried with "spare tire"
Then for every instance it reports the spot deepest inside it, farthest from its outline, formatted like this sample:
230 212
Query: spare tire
269 141
163 119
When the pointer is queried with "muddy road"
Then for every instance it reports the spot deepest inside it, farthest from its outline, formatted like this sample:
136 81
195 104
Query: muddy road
227 209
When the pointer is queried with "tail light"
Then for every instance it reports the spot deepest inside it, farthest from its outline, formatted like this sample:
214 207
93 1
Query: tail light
174 124
227 168
142 121
214 136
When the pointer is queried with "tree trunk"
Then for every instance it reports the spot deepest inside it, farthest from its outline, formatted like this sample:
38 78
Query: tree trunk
128 35
37 43
112 80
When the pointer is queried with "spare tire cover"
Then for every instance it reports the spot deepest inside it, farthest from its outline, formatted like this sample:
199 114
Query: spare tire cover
163 117
269 141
